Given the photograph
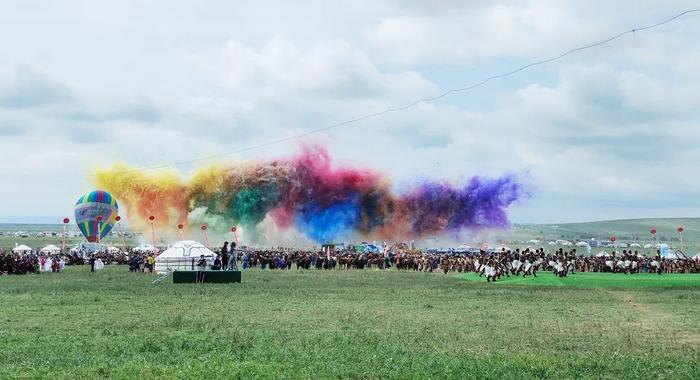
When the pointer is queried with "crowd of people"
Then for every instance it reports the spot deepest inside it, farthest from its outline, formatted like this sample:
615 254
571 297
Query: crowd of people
16 263
37 262
492 265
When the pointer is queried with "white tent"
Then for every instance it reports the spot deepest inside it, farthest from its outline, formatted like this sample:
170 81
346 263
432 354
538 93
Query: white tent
182 255
674 255
113 250
582 244
22 249
144 248
51 249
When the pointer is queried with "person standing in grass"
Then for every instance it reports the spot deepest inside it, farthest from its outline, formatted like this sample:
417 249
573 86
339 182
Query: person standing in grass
224 256
201 268
245 261
233 258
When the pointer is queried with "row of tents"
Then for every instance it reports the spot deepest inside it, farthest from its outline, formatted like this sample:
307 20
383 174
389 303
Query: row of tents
52 249
24 249
182 255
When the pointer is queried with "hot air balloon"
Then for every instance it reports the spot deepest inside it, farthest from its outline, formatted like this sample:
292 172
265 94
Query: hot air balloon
95 214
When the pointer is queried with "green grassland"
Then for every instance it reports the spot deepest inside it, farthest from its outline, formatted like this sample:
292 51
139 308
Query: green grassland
344 324
624 229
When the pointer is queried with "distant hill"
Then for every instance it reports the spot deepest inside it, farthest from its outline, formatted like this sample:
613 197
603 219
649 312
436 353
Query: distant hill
623 229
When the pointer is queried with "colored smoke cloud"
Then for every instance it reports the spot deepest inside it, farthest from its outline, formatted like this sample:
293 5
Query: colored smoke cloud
306 192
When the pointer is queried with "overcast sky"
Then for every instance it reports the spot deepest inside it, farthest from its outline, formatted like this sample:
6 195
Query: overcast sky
612 132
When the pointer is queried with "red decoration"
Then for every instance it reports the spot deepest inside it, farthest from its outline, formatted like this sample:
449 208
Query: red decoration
180 226
66 220
653 231
118 218
679 229
233 229
99 218
151 218
613 238
204 227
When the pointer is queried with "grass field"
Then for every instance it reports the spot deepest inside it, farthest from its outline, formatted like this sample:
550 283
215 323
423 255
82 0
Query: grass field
344 324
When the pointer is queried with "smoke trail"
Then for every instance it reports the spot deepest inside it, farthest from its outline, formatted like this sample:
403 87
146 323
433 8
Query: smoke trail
308 193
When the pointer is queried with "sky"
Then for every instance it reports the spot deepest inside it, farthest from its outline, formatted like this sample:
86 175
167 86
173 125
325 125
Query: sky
607 133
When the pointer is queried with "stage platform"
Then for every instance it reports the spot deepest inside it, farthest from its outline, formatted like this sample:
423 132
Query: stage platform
209 276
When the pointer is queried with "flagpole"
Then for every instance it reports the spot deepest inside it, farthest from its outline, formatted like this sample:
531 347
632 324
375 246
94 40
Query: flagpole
121 232
99 228
180 228
235 236
206 236
63 241
153 232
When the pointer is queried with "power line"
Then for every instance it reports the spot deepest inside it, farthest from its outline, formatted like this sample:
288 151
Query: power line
420 100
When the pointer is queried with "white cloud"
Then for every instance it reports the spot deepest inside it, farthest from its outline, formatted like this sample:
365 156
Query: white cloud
510 29
180 82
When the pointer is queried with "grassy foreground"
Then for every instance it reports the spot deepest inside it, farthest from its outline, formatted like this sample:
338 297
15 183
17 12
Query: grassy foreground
344 324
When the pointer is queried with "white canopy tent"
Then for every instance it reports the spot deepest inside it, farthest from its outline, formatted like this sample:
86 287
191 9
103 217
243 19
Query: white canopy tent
676 255
143 248
183 255
113 250
22 249
50 249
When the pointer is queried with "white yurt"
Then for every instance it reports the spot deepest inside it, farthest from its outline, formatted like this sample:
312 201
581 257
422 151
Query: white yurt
50 250
22 249
183 255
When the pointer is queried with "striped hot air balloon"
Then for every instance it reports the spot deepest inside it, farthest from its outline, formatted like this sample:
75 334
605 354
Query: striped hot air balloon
89 207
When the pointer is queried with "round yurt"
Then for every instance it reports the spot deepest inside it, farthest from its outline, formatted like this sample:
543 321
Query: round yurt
183 255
